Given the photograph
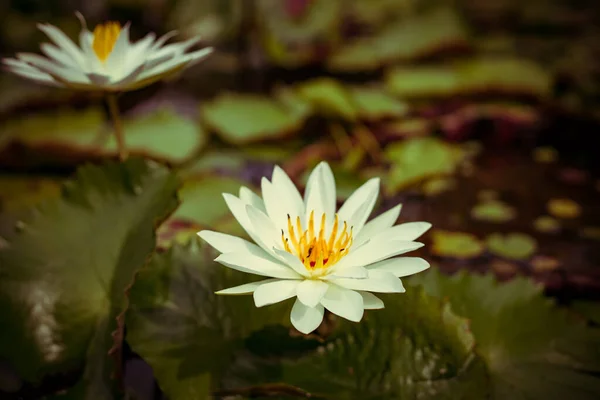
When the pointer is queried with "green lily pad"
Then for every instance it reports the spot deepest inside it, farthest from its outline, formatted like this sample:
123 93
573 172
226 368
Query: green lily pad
516 246
493 211
415 347
65 271
546 224
62 137
417 159
23 192
328 97
183 329
436 186
506 75
162 135
245 118
563 208
531 348
373 103
419 36
456 244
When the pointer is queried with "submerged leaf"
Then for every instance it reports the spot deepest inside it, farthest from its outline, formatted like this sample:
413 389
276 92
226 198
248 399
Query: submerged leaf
530 347
65 272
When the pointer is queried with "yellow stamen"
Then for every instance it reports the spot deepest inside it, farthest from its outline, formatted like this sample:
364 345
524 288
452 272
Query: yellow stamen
105 37
317 253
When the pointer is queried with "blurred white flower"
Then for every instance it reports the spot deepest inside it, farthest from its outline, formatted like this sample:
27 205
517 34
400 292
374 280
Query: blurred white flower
323 258
105 59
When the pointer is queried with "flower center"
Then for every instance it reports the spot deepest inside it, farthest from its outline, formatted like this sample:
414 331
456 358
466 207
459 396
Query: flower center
315 250
105 37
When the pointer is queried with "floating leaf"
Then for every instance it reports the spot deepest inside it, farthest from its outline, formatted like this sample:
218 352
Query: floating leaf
493 211
456 244
23 192
435 186
329 97
62 137
374 104
414 347
65 271
246 118
563 208
183 329
530 347
546 224
545 155
162 135
590 232
516 246
504 75
420 36
417 159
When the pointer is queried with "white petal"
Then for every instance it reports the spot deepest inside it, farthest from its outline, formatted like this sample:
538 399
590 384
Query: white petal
371 302
357 271
66 74
276 208
264 227
358 207
238 209
257 263
25 70
374 251
59 55
311 291
247 288
292 261
173 64
163 39
306 319
377 225
274 292
408 231
320 191
224 243
62 41
401 266
249 197
287 193
343 302
378 282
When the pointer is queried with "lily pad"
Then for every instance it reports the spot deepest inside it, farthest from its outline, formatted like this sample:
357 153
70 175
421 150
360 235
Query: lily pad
546 224
23 192
414 347
62 137
516 246
436 186
329 97
374 103
246 118
162 135
420 36
183 329
493 211
504 75
563 208
456 244
417 159
530 347
65 271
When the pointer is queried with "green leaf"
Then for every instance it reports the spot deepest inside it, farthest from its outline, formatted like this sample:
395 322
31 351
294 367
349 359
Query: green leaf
183 329
161 135
374 103
245 118
417 159
590 310
414 38
531 348
63 272
516 246
414 348
329 97
20 192
505 75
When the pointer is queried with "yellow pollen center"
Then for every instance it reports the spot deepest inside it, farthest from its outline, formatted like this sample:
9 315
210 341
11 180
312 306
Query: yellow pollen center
105 37
314 249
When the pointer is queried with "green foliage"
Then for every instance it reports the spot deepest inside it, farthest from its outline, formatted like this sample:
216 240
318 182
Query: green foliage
183 329
531 348
64 270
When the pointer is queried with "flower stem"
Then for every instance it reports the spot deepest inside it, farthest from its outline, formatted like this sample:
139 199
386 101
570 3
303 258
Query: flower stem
113 108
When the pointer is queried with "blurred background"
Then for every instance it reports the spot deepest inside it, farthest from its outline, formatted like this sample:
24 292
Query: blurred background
481 117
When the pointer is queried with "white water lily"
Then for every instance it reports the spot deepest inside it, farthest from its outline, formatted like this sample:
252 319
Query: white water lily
327 260
105 59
